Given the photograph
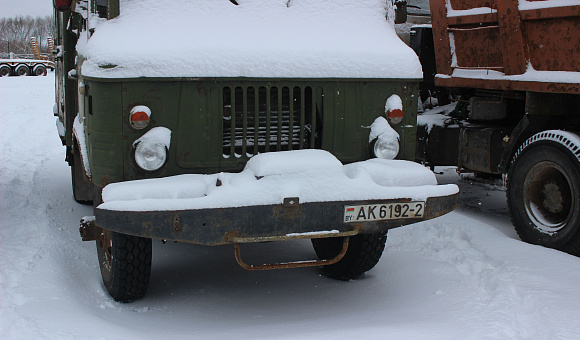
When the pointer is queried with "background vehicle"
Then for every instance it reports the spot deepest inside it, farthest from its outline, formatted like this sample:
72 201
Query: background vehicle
513 68
246 136
28 67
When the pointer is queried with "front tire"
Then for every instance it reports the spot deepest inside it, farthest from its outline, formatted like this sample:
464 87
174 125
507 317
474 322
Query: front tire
125 263
364 252
543 191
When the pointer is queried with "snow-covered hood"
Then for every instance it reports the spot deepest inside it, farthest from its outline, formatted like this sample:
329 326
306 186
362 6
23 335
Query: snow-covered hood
257 38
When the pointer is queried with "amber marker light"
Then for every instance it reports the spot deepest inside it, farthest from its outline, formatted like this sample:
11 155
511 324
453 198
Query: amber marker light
395 116
139 117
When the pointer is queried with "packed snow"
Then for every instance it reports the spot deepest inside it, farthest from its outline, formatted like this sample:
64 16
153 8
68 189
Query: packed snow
531 5
465 275
311 175
257 38
438 116
567 77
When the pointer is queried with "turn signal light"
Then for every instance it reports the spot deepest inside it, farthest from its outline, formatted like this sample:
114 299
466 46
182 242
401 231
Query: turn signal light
395 116
139 117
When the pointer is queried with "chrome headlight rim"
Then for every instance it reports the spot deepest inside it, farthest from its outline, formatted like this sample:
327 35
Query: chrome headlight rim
144 162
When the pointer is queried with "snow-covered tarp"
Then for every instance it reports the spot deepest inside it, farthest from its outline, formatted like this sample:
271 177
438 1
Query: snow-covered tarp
257 38
311 175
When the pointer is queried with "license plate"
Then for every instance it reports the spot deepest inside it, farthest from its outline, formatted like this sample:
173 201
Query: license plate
387 211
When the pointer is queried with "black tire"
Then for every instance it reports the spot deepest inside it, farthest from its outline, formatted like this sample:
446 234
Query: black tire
22 70
4 70
39 70
125 263
82 189
543 191
364 252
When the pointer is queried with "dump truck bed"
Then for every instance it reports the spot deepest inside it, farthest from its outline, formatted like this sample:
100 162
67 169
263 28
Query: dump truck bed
511 45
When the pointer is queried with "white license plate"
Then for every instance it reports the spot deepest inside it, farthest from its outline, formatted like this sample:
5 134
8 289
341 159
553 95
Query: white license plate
387 211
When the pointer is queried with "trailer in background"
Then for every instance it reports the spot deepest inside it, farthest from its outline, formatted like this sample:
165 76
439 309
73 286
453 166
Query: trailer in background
29 67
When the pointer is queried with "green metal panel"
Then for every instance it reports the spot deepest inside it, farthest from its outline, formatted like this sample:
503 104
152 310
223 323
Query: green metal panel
103 130
195 111
163 98
198 134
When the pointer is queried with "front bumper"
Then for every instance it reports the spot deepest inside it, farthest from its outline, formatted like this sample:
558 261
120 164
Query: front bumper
258 223
277 197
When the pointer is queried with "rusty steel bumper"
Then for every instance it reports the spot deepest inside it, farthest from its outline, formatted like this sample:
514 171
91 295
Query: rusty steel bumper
290 220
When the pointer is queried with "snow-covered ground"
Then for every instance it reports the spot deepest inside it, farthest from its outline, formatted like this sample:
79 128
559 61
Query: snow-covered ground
463 276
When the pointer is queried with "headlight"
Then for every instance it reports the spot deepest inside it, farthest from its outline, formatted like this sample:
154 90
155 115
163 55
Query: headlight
150 155
386 148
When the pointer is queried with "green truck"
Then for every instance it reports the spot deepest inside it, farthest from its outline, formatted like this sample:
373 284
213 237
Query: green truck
232 122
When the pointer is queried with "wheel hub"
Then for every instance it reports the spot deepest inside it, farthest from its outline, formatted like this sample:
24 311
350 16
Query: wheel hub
553 200
548 197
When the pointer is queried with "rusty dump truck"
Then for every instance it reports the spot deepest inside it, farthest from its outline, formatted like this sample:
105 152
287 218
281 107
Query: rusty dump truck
228 122
513 68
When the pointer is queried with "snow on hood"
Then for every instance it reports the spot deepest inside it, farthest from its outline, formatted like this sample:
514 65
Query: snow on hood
258 38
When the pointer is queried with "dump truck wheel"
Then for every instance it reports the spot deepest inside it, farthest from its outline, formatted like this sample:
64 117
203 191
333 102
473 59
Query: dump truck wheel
4 70
39 70
82 190
543 191
22 70
125 263
364 252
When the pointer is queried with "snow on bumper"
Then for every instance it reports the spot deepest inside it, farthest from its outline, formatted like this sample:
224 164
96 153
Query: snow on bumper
277 194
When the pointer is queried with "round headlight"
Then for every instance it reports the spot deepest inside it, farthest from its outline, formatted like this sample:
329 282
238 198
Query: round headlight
150 155
386 148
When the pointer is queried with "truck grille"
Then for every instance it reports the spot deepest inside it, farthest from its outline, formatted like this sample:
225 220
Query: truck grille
264 119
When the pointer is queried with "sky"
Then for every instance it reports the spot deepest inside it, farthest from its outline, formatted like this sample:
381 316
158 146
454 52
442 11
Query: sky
34 8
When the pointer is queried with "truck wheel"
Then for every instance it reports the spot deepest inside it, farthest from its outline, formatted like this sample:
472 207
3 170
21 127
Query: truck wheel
82 190
543 192
22 70
364 252
39 70
4 70
125 263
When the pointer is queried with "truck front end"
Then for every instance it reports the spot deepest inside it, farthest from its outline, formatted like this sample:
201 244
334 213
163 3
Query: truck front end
233 122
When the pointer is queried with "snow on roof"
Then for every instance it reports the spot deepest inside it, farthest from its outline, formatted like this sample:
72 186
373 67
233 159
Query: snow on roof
257 38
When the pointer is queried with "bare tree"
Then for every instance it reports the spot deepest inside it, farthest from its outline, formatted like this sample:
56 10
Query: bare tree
15 33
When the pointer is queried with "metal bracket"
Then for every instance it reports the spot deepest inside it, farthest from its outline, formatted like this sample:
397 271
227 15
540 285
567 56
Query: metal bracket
286 265
236 240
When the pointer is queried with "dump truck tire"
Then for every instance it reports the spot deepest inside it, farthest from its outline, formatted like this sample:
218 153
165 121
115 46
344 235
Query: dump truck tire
364 252
125 263
543 191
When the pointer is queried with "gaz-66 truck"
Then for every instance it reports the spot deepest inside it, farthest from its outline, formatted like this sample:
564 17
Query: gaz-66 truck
232 122
514 67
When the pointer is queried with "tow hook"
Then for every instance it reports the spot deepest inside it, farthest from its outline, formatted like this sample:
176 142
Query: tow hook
89 230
